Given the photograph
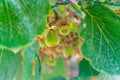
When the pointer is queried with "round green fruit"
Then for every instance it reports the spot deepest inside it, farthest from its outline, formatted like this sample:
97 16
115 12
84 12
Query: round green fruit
42 43
77 42
51 61
68 52
52 39
64 30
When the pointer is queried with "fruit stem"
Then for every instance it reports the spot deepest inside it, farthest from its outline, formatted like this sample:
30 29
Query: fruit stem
67 69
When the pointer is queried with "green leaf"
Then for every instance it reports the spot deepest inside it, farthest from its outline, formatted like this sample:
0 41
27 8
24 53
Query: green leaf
18 75
21 21
75 78
58 78
58 70
103 76
30 54
76 9
86 71
37 68
8 64
102 38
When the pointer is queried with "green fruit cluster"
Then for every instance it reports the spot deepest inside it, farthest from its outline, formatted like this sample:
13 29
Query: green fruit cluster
52 39
57 42
64 30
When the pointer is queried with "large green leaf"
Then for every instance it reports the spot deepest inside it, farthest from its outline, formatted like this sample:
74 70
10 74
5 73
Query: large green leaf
8 64
102 38
21 21
30 54
86 71
103 76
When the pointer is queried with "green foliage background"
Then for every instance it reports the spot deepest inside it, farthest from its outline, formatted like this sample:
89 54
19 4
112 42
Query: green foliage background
22 20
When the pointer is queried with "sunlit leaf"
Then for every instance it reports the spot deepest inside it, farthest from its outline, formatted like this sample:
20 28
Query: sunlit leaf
102 38
75 78
21 21
8 64
103 76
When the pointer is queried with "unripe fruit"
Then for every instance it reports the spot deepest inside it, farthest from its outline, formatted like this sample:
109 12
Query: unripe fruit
58 54
64 30
51 61
77 42
60 46
52 39
42 43
68 52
